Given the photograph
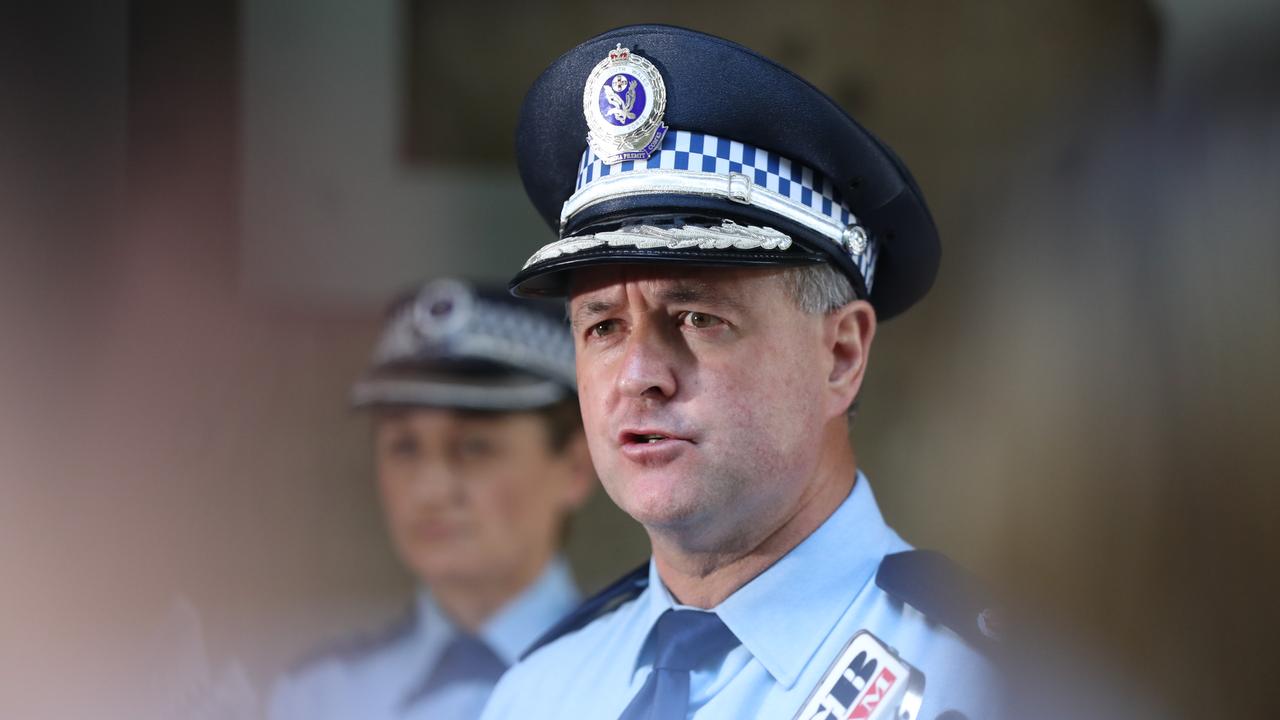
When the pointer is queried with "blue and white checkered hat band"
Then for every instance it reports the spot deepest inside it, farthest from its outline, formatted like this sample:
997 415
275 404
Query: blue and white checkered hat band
698 152
449 322
692 163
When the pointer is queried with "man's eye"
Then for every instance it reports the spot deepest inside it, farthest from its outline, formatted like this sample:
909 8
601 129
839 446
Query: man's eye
601 329
700 320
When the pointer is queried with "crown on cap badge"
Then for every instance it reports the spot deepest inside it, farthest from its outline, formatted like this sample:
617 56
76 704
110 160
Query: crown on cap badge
624 101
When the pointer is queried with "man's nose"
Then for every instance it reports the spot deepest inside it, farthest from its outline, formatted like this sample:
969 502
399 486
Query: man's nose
648 367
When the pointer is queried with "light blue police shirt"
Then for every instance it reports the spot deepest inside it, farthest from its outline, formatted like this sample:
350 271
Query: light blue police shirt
379 681
793 620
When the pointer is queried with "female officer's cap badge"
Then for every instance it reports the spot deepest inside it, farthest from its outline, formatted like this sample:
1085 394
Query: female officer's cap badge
442 309
623 101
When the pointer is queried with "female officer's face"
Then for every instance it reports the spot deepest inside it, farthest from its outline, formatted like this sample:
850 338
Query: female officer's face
472 497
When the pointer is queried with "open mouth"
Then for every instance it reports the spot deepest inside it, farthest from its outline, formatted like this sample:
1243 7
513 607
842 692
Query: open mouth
649 446
646 438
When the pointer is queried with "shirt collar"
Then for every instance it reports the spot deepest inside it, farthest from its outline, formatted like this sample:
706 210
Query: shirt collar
815 583
523 620
431 622
432 630
515 625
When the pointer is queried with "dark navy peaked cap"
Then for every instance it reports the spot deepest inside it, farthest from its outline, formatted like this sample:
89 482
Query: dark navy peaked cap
653 143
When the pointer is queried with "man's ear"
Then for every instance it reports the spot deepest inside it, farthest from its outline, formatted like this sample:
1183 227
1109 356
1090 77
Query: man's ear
848 334
581 473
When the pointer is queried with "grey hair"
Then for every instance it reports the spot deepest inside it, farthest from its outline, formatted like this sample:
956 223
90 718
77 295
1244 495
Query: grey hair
819 289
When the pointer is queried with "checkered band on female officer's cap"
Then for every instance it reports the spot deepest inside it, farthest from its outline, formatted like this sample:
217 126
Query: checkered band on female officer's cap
654 143
454 346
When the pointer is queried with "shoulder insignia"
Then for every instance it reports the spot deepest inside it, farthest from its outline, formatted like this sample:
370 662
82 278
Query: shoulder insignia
944 592
623 590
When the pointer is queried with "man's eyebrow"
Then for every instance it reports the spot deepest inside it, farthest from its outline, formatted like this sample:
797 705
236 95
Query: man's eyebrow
590 309
700 293
680 293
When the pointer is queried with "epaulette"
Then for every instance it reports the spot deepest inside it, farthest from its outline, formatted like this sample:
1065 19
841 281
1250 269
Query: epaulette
944 592
624 590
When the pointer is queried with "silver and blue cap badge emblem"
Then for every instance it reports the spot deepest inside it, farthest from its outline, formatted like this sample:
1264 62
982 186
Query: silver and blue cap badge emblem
442 309
623 101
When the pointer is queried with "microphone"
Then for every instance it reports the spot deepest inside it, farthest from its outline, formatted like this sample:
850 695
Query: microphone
868 681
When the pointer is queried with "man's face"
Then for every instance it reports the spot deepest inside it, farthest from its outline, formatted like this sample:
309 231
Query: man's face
702 393
473 496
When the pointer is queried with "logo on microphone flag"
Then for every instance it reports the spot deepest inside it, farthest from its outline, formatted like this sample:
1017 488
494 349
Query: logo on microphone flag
867 681
875 693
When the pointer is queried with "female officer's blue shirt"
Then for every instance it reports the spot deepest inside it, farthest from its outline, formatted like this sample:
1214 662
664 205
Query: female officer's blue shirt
792 620
384 680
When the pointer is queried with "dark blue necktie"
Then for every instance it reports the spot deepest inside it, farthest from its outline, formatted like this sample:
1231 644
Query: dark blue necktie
682 640
465 659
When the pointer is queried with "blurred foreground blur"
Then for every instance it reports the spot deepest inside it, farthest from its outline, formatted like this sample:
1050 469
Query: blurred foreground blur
1128 399
202 211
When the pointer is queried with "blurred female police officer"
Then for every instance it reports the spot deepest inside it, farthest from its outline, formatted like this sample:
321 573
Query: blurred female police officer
480 460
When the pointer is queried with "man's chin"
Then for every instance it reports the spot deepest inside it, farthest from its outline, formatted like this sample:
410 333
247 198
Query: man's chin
666 497
664 512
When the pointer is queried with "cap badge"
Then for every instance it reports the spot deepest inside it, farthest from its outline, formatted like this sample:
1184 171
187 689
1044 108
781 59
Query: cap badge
624 101
442 309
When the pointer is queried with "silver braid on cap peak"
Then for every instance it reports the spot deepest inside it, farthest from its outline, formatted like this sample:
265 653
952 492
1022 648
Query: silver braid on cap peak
647 237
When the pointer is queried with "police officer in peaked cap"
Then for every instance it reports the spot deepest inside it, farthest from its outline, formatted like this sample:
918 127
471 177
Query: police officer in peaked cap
480 459
728 240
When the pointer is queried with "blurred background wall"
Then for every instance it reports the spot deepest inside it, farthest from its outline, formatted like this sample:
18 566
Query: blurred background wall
204 207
